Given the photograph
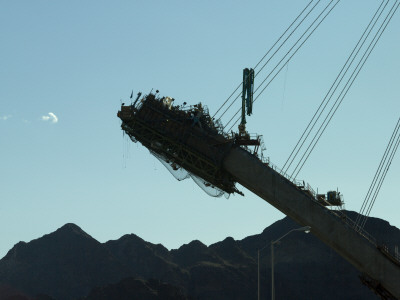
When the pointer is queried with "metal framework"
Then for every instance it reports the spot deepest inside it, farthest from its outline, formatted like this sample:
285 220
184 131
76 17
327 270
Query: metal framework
155 126
189 138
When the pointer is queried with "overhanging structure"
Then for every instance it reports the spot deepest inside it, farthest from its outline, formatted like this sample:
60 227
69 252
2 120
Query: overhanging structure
188 138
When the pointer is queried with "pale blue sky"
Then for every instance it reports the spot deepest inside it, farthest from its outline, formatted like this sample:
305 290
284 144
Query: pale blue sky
77 59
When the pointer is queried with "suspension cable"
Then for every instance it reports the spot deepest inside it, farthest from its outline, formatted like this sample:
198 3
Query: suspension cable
291 156
234 100
276 42
259 94
289 37
379 177
329 99
377 173
352 78
380 183
287 53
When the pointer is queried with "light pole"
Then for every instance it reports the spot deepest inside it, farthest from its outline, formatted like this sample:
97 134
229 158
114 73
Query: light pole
258 271
306 229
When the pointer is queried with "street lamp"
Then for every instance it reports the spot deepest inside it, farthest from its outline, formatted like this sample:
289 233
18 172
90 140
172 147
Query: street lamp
306 229
258 271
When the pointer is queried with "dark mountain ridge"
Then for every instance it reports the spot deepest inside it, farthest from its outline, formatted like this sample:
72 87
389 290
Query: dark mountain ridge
70 264
67 261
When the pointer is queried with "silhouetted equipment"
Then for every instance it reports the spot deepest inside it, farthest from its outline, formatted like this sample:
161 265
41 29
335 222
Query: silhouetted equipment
247 93
332 198
137 98
243 137
185 137
191 143
188 139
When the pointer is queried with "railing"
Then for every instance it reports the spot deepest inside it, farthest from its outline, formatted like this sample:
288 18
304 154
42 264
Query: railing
352 225
299 183
306 188
339 213
311 190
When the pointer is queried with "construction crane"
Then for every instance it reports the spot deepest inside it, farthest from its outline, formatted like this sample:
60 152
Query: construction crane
187 138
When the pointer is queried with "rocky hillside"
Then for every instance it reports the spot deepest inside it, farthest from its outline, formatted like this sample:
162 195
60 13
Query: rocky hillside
131 288
70 264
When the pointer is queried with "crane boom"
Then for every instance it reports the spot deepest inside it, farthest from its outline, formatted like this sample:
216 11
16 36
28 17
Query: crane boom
188 138
329 227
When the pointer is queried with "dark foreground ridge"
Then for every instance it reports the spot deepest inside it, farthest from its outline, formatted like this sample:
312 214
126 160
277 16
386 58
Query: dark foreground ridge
70 264
131 288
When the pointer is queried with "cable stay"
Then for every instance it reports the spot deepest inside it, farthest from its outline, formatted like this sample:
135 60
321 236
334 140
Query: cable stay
191 143
282 63
319 110
265 55
270 49
364 205
378 179
344 90
277 50
336 104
